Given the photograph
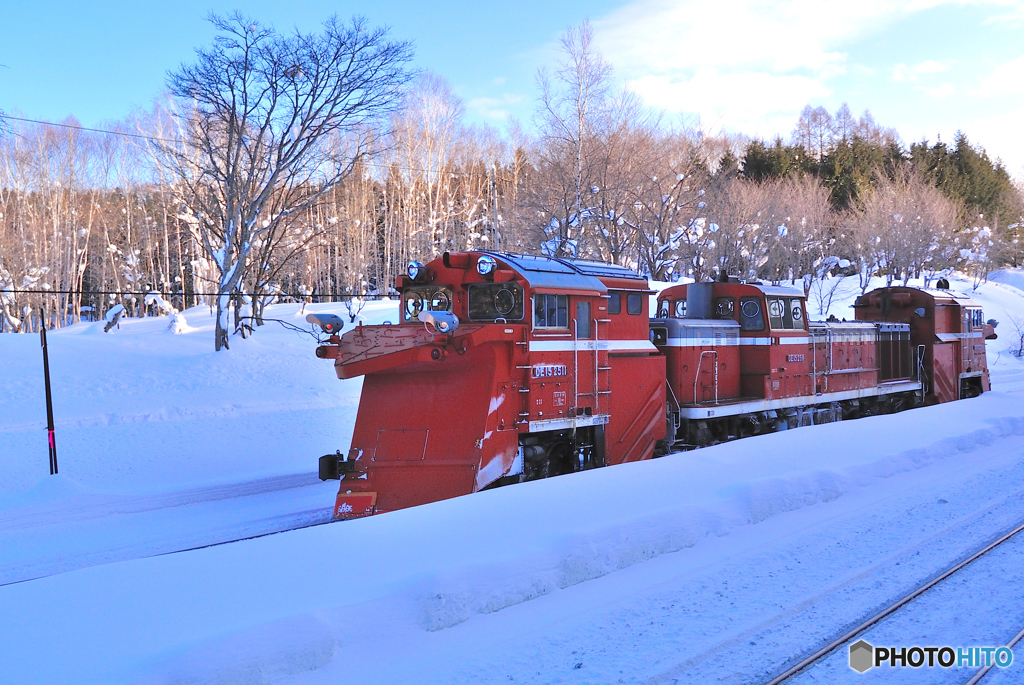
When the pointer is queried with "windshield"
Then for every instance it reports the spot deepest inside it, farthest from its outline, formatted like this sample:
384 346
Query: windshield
490 301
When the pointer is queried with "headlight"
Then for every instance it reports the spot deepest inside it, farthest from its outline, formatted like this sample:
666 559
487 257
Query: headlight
486 265
416 269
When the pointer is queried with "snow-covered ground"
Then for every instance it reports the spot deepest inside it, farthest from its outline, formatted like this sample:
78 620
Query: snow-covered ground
148 420
718 565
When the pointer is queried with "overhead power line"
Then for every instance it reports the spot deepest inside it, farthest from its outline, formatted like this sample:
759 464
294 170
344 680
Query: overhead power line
86 128
378 165
125 293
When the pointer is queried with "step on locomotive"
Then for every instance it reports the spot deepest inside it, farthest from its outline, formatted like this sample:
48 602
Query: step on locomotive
505 368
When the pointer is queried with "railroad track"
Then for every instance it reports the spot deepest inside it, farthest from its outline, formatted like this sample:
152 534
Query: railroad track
851 634
313 524
296 521
106 505
123 527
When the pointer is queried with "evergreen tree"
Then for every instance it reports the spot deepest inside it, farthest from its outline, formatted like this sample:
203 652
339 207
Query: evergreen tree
762 163
852 167
728 166
967 175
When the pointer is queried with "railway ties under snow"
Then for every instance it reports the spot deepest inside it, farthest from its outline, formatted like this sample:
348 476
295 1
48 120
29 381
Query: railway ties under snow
47 539
821 654
218 543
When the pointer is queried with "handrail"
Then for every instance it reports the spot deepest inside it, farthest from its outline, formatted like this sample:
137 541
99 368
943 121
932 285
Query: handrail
576 362
597 369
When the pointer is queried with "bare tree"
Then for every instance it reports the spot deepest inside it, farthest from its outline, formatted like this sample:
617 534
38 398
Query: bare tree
666 203
426 132
844 124
1018 325
903 230
815 130
265 120
827 287
569 104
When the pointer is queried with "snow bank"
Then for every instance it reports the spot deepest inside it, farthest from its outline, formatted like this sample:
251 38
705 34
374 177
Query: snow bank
143 410
289 603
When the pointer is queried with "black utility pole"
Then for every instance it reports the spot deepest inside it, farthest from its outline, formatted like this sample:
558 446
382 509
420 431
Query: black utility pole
49 399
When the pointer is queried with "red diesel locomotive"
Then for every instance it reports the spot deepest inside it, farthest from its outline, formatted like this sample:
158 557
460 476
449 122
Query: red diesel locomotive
502 368
743 359
505 368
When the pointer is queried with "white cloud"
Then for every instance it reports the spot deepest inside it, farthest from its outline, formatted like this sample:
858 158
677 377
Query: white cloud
494 108
902 72
1014 16
1004 79
775 36
751 63
939 92
992 133
755 103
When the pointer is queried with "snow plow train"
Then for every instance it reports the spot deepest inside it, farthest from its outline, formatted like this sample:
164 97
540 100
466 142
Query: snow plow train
505 368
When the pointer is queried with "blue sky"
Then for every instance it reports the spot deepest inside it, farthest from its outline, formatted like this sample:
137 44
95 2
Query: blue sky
925 67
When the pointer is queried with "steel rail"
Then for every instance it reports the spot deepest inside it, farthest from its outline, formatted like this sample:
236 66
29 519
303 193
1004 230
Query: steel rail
981 674
183 549
243 539
892 608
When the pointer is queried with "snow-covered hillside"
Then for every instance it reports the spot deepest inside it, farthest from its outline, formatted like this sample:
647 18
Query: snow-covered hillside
709 566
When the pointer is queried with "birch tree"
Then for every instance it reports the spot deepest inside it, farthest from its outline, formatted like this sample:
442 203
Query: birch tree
570 102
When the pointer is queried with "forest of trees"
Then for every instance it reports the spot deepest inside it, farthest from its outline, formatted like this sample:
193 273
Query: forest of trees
90 220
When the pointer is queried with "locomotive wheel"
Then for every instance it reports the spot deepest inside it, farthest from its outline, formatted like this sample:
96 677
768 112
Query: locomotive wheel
969 389
561 460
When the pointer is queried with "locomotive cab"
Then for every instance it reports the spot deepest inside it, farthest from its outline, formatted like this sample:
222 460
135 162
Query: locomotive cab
947 332
734 340
500 370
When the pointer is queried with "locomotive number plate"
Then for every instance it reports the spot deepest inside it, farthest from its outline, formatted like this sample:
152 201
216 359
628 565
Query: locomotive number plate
550 370
794 358
354 505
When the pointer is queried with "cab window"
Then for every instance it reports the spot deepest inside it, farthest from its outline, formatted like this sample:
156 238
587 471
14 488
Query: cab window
751 315
724 308
663 309
796 312
785 313
429 298
550 311
679 306
582 320
614 303
634 303
491 301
